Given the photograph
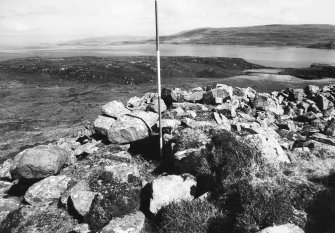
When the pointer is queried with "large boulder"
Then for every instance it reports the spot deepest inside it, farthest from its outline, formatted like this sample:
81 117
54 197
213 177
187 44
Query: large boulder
171 188
287 228
131 128
115 109
103 123
133 223
40 162
47 191
268 146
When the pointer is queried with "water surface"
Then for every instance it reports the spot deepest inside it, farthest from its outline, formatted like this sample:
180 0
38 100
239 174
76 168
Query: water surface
281 57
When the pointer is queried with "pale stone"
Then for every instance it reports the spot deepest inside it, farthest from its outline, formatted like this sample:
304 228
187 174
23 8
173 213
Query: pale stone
133 223
115 109
47 191
171 188
122 171
40 161
103 123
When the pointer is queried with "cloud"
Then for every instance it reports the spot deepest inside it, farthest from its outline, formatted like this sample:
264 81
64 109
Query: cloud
70 19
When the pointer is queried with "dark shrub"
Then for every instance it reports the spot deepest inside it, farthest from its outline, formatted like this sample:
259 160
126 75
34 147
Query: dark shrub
254 207
230 158
189 217
115 199
321 212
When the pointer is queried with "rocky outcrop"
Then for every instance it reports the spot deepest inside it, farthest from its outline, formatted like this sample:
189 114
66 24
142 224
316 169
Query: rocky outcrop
234 144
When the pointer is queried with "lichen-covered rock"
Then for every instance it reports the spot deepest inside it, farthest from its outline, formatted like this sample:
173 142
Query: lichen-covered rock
123 171
268 146
31 219
114 199
134 102
172 95
81 186
88 148
47 191
312 90
322 102
153 104
82 228
171 188
133 223
264 101
330 129
4 187
8 205
170 123
223 92
191 161
82 201
103 123
296 94
195 96
115 109
190 106
40 162
287 228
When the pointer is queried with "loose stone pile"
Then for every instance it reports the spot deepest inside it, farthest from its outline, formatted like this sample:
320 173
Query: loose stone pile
92 182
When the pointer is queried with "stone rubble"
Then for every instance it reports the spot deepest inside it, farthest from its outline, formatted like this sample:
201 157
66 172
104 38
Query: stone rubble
282 126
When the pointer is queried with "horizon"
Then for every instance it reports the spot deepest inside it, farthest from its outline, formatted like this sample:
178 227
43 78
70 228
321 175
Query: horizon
54 21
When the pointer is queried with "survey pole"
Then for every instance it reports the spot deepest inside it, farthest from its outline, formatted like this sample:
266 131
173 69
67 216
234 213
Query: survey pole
159 82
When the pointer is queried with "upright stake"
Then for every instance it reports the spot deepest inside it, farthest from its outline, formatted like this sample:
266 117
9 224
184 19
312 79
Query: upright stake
159 83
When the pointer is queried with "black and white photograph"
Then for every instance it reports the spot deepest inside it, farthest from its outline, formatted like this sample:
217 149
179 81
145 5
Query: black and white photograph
167 116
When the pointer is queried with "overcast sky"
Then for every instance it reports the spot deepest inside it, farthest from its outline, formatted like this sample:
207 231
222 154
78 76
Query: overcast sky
27 21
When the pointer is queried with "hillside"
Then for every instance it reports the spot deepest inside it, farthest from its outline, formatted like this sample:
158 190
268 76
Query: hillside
268 35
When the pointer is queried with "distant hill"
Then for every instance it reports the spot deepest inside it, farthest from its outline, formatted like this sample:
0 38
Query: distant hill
267 35
105 40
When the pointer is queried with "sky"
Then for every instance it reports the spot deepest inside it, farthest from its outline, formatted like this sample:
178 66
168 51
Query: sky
47 21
